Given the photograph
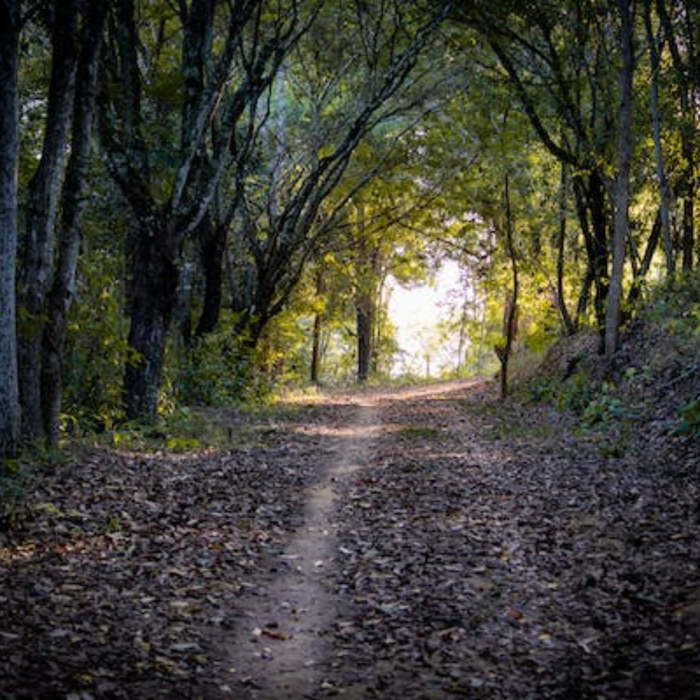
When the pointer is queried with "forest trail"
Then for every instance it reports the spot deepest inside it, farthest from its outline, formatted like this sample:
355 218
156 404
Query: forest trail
421 543
456 547
283 638
283 647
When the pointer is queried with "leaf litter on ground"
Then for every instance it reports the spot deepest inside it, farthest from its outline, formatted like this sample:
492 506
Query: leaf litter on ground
483 550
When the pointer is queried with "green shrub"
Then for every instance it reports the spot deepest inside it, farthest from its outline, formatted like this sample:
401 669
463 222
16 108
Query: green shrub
543 390
575 393
606 408
214 372
689 418
676 306
96 347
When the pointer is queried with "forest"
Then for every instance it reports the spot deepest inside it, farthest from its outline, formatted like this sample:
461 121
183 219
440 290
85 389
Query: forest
204 200
204 207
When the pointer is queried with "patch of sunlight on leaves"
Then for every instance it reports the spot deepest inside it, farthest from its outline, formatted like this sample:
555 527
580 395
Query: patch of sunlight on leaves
182 430
182 444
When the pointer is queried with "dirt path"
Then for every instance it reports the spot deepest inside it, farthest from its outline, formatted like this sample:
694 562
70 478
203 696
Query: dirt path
424 543
283 640
284 646
456 549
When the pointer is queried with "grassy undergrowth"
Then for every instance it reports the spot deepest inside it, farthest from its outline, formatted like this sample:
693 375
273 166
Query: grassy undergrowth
652 384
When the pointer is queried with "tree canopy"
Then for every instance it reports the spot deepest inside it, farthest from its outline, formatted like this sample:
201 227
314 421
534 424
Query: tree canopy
201 198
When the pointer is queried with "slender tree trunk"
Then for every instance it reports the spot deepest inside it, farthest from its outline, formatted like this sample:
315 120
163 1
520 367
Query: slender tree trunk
63 288
561 240
590 199
377 313
316 336
152 299
213 244
664 188
599 220
652 244
462 334
9 152
512 303
624 156
688 218
366 262
583 297
316 348
36 269
182 311
364 336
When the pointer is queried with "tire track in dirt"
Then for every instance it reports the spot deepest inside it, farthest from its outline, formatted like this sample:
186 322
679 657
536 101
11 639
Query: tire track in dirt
284 638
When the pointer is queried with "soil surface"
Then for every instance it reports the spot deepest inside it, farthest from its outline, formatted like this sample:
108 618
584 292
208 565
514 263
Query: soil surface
424 543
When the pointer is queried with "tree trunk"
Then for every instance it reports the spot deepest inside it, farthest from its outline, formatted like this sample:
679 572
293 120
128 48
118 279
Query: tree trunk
624 156
561 301
316 348
152 298
462 342
652 243
377 315
364 336
36 269
213 243
664 188
583 297
9 152
512 304
599 220
318 326
590 199
63 288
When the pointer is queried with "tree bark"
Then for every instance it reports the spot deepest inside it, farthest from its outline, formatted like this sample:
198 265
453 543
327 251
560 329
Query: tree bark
590 199
624 156
73 204
36 270
364 336
512 303
583 297
462 342
9 153
316 334
652 243
569 326
213 244
366 270
152 299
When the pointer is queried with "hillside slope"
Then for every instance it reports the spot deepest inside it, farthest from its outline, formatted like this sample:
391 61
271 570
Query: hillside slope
647 399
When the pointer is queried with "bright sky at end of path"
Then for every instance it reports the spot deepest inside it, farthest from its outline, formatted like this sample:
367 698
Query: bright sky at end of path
416 312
